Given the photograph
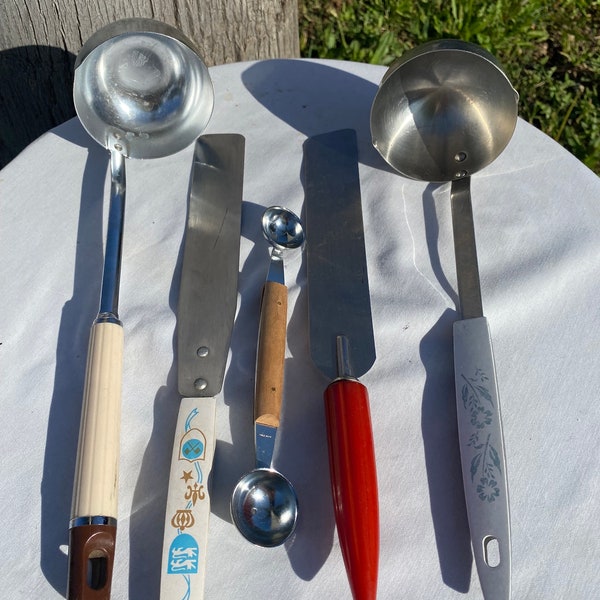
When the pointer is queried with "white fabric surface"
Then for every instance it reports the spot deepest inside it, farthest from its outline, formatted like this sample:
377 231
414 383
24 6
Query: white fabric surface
537 216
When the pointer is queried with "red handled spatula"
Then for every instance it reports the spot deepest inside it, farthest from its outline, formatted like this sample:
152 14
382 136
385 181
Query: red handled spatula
342 345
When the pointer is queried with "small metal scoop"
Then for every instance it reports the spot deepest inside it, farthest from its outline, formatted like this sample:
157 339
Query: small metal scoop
444 111
283 230
141 91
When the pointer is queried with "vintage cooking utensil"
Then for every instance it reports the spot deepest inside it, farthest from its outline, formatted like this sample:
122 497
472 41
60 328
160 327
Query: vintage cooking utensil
205 316
141 91
442 112
342 345
264 506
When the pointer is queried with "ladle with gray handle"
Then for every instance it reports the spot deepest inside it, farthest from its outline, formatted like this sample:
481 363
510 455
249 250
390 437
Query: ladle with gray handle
141 91
444 111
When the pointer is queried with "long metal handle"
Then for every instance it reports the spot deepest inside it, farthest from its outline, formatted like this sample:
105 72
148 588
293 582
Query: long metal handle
111 277
478 412
482 456
465 249
354 483
188 501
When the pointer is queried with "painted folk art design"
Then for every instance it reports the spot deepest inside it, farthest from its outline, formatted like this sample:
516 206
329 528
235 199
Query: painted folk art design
184 550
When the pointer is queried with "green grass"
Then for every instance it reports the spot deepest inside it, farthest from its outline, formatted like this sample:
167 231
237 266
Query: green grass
549 50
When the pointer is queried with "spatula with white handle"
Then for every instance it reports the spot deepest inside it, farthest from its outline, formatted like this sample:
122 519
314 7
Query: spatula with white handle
205 316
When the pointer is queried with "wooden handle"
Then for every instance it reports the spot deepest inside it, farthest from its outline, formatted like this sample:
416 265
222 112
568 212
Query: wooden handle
91 548
188 502
354 483
270 354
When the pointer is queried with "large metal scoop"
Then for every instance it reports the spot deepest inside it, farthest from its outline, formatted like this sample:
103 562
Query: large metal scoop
142 91
442 112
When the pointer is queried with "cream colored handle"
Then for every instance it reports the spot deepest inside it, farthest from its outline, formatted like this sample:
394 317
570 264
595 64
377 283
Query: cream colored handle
97 468
270 354
188 502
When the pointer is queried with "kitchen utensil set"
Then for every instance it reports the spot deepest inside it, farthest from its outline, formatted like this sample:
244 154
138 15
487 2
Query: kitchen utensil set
428 120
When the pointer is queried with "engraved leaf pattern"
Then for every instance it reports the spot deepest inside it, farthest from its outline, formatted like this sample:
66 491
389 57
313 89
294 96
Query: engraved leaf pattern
485 465
475 465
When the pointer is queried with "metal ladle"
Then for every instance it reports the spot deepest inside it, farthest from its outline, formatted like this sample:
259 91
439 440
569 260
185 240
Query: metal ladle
264 506
444 111
141 91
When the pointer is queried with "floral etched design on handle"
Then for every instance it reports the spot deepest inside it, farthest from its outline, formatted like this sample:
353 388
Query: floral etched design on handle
485 464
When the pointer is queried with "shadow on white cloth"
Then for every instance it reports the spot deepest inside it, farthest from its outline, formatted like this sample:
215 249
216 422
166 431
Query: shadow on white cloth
71 353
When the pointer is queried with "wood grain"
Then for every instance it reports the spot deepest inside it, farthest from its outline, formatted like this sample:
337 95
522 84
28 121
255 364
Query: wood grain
270 357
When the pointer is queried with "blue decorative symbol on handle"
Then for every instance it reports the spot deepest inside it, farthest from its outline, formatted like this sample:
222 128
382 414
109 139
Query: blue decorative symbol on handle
193 446
183 555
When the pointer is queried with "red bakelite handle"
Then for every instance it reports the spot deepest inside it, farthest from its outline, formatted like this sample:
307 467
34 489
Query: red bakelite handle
354 483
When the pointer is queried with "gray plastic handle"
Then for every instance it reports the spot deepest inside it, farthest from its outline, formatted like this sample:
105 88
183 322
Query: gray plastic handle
482 456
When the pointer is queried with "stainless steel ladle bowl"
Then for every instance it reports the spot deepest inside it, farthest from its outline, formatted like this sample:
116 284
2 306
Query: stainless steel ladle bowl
142 89
443 111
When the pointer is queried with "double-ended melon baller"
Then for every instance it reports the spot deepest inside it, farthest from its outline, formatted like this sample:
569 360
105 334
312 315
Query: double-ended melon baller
444 111
264 506
141 91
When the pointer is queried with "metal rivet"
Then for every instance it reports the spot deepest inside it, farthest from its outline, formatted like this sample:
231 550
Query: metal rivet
460 156
202 351
200 384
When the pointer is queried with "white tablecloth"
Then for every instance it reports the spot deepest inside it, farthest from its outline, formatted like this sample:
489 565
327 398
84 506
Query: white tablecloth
537 216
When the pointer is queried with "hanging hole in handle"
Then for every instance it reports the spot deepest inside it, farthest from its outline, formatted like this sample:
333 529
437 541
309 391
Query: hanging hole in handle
491 551
97 570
